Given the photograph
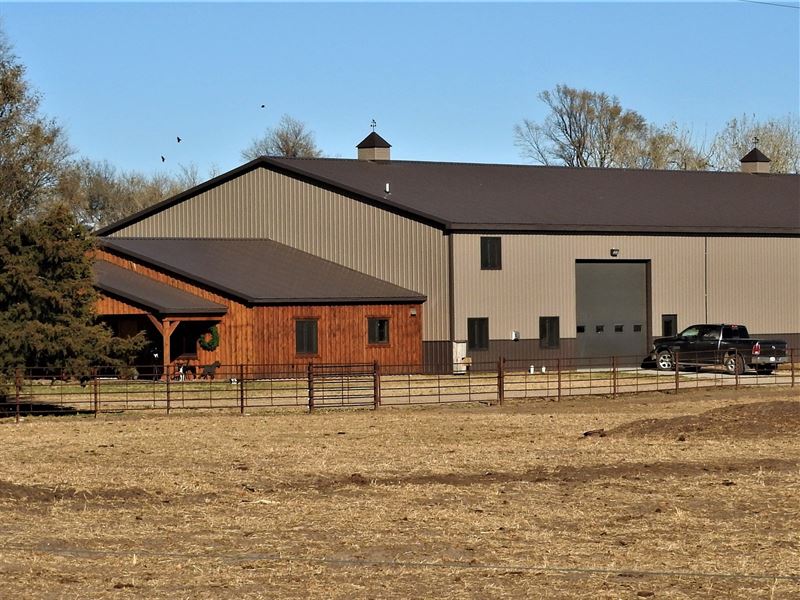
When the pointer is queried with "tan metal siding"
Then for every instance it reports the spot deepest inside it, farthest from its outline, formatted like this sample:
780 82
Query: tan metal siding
538 279
756 282
267 205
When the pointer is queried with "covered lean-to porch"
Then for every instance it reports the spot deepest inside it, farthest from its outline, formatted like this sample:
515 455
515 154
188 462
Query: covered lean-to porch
175 320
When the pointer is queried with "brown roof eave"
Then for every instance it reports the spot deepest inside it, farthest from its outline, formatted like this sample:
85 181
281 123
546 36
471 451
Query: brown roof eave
157 309
332 301
619 229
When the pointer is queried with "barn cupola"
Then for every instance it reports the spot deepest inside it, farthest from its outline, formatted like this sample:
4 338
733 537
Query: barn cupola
373 147
755 161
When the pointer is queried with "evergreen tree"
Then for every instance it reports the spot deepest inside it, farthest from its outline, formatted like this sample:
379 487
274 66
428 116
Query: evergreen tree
47 297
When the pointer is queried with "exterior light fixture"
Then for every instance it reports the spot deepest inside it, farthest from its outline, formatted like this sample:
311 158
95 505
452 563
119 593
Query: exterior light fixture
615 252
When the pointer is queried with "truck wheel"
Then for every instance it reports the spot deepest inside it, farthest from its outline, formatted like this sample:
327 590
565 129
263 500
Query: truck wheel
734 365
664 361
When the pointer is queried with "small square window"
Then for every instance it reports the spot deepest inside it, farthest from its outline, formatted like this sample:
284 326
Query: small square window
491 255
305 336
478 334
619 328
378 330
599 328
581 328
637 328
548 332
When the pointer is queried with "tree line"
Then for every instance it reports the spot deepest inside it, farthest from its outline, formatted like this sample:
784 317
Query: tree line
584 128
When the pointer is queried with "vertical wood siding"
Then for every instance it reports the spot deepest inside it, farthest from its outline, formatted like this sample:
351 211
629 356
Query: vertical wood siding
341 334
108 305
266 334
263 204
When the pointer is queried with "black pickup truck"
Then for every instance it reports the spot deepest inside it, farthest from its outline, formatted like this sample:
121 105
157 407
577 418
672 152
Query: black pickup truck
726 345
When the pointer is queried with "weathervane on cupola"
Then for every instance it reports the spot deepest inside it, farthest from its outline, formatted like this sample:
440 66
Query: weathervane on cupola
755 161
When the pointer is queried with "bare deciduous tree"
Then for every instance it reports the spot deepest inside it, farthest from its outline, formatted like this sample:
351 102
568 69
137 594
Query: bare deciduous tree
591 129
291 139
33 149
779 139
582 129
99 195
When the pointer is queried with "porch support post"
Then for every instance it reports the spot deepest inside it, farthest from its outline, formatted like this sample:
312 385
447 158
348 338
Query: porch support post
165 327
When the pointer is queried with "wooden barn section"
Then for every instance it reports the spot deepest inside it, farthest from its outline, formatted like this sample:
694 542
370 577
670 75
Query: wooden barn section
271 304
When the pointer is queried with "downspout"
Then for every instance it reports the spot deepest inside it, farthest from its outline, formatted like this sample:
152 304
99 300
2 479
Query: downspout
451 308
705 276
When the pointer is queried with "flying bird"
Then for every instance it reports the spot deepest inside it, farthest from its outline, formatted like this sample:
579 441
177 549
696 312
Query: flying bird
162 158
263 106
179 139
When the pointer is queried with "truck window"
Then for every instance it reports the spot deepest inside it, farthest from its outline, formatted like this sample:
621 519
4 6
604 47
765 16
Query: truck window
690 332
734 332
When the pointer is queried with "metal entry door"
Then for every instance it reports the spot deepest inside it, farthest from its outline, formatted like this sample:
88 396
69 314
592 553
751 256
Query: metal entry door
611 309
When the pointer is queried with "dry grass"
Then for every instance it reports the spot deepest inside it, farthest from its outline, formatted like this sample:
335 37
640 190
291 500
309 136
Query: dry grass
692 495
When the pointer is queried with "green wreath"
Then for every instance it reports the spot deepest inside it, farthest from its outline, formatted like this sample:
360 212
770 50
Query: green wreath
209 344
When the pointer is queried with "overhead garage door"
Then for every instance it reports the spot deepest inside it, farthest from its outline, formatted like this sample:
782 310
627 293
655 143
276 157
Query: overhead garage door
611 302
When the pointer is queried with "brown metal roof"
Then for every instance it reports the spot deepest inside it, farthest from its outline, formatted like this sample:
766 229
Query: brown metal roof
150 294
755 155
373 140
489 197
516 197
261 271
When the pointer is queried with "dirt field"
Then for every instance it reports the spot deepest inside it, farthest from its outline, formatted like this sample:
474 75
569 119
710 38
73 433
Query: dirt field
694 495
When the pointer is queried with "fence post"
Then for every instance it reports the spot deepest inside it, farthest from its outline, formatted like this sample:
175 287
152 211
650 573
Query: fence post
677 372
18 388
736 367
169 380
376 385
310 387
791 362
558 374
614 376
96 392
241 389
501 380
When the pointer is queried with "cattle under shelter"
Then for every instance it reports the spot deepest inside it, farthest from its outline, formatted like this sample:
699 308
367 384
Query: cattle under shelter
515 261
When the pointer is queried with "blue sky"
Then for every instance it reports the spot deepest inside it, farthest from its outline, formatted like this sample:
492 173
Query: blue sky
443 81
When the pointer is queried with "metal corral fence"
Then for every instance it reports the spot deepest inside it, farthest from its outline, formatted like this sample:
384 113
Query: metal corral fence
318 386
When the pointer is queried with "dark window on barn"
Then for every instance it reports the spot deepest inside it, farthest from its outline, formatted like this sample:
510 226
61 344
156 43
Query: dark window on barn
306 336
581 328
478 334
377 331
669 325
637 328
491 255
548 332
599 328
619 328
